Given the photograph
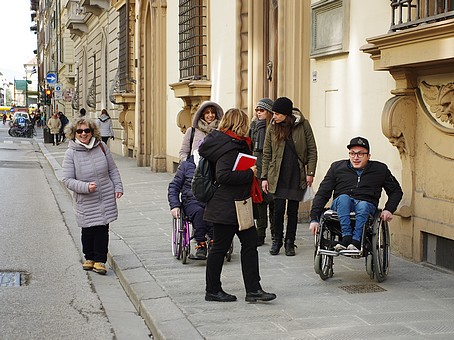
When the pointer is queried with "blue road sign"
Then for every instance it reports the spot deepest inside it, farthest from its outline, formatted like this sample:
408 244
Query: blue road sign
51 78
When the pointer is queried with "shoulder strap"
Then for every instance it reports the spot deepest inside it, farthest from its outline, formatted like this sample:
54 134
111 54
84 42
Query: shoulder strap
102 148
191 140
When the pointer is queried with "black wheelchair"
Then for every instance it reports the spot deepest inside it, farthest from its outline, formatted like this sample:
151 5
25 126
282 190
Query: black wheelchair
375 245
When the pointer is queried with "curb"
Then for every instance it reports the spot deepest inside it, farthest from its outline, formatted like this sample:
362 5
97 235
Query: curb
161 315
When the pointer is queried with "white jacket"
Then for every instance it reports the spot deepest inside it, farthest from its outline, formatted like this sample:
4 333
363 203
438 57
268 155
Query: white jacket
105 125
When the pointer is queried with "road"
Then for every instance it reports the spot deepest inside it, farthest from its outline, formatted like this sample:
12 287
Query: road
39 241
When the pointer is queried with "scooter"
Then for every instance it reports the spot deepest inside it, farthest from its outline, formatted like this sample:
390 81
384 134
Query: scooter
27 131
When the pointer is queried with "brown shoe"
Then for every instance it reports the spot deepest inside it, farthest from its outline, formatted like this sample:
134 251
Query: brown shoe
88 264
100 268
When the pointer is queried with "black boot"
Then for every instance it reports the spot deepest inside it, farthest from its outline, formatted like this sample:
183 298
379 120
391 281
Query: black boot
260 241
290 248
276 246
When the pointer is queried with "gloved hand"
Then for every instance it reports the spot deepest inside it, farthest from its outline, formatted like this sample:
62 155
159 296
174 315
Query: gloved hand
112 137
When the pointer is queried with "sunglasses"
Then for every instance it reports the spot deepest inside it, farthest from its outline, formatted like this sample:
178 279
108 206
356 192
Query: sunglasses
87 131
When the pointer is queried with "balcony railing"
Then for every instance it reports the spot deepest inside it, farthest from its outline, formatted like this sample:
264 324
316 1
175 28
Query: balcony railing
411 13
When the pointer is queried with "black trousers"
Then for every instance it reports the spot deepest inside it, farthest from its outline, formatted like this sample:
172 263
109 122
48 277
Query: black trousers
105 139
95 243
223 236
55 138
292 218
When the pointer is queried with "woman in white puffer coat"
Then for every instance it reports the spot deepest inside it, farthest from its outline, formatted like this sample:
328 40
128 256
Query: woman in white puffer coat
91 173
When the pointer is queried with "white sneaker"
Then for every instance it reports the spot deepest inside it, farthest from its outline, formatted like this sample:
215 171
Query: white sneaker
338 247
351 247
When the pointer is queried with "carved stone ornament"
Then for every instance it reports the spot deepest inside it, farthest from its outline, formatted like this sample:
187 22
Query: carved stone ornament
437 102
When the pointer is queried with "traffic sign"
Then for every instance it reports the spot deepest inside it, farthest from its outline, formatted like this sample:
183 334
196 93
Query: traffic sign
51 78
57 87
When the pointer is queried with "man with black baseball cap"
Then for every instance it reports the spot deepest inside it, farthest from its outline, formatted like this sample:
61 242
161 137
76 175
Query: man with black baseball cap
356 185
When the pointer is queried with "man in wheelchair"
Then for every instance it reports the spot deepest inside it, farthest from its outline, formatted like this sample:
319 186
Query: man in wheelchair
180 196
356 185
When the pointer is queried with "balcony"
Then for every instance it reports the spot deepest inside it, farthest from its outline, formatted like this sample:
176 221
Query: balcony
97 7
411 13
76 18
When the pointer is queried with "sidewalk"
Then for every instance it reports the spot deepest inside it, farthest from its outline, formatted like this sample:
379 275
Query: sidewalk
415 302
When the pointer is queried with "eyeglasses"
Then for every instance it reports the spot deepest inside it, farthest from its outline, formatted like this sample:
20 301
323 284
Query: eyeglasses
359 154
87 131
259 110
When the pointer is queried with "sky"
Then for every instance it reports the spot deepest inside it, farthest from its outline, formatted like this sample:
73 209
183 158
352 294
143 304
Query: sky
16 39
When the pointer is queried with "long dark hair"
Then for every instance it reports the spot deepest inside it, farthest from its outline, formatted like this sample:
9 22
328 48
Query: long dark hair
283 131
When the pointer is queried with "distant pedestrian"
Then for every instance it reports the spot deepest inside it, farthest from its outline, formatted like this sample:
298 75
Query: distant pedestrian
82 112
4 118
54 126
105 124
91 173
64 121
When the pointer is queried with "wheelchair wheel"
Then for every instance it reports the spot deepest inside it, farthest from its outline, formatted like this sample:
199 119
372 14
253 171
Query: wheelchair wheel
184 255
175 229
380 250
323 264
180 236
186 241
370 265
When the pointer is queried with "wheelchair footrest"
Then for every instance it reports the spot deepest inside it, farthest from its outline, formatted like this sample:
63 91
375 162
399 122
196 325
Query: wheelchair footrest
327 252
351 253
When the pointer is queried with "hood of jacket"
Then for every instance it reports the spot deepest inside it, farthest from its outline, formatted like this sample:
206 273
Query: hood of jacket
299 118
218 143
198 114
103 117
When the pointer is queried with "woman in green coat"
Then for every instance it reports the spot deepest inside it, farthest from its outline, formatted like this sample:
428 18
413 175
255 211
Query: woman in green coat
288 168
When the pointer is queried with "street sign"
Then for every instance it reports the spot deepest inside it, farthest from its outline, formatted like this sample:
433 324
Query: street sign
51 78
57 87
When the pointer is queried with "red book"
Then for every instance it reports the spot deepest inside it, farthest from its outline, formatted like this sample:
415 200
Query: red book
244 161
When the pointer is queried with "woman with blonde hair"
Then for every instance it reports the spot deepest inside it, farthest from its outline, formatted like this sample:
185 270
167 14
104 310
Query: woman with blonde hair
91 173
221 147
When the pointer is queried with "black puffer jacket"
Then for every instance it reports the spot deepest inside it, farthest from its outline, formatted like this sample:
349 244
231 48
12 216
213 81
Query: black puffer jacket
223 150
343 179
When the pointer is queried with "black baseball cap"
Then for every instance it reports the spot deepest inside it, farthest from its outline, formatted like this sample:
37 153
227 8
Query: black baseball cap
359 141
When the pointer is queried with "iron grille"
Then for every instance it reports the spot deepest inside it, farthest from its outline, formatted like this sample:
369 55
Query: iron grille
410 13
192 40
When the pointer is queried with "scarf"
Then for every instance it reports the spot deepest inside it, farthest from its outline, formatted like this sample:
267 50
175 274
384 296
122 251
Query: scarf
255 192
207 128
260 128
89 145
232 134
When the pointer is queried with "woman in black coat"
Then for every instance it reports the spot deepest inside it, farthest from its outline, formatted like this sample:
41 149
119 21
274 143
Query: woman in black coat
222 148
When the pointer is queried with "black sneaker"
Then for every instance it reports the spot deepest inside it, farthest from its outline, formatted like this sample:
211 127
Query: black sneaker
201 251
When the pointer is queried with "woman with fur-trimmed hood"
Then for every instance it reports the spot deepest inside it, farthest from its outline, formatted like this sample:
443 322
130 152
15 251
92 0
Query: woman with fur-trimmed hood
205 120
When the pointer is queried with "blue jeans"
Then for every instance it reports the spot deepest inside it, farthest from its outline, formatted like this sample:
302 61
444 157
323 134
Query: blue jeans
344 204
